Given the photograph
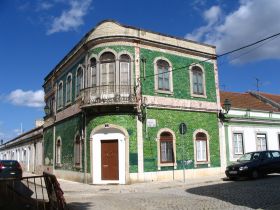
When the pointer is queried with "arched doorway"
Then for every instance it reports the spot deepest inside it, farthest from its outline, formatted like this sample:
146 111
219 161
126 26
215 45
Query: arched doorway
109 155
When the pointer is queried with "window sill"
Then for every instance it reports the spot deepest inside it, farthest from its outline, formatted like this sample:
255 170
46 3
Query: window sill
164 92
167 164
58 165
198 96
202 163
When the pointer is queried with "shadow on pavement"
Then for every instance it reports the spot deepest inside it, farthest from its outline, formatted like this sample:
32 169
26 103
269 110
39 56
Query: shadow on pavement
79 206
262 193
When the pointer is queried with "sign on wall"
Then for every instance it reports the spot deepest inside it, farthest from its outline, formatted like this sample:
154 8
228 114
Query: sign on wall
151 123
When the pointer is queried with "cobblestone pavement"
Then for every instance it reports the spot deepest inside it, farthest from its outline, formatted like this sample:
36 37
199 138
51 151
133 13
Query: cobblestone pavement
210 193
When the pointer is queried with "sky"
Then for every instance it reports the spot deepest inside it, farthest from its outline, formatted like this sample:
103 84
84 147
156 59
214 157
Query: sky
37 34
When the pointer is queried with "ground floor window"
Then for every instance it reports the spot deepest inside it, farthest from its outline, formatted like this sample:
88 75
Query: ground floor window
261 142
166 148
78 151
238 143
58 152
201 147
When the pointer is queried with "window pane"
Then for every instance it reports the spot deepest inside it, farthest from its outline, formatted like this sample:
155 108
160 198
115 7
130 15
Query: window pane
201 150
166 151
238 143
261 142
124 73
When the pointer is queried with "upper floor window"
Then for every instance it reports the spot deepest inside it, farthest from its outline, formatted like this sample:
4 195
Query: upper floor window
79 81
93 72
163 75
201 147
68 88
124 70
107 69
60 95
197 81
166 148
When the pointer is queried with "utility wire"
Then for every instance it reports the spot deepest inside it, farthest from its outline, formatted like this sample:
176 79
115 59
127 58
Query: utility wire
215 57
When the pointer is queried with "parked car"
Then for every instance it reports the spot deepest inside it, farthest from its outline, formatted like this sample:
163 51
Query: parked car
10 169
254 165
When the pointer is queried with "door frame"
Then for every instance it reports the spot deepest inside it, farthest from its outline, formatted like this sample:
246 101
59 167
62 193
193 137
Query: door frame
96 157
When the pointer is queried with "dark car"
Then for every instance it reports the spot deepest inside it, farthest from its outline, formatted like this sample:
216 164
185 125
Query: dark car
255 164
10 169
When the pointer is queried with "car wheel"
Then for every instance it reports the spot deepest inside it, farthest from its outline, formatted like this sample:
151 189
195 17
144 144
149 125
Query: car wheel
255 174
232 178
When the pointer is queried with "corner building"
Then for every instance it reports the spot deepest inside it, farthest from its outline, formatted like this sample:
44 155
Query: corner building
115 104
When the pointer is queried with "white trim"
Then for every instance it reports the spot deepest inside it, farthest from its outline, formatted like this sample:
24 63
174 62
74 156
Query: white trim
174 148
156 76
81 150
58 161
83 80
203 80
96 157
208 147
60 103
66 86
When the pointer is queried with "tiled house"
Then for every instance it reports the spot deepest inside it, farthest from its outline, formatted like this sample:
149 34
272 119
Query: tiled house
116 101
252 124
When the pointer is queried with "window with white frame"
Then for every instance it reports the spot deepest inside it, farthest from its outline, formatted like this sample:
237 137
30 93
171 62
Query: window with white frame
93 72
124 70
78 151
60 95
201 147
79 81
197 80
163 75
238 143
107 72
166 148
58 152
68 88
261 142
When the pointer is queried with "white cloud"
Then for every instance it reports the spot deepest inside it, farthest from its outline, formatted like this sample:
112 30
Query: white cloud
44 5
252 21
27 98
70 19
17 131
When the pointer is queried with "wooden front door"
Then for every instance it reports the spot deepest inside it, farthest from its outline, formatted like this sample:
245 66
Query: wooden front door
109 160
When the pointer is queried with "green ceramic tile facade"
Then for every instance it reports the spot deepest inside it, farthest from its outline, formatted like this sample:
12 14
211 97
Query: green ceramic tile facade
67 131
48 146
116 48
126 121
181 80
171 119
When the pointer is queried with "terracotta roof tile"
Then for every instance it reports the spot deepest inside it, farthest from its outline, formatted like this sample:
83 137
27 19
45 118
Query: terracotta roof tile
246 101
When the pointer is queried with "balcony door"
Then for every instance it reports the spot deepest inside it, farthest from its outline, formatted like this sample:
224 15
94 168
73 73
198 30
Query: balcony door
107 75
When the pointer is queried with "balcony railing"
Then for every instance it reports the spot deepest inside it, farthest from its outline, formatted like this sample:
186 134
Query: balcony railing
108 94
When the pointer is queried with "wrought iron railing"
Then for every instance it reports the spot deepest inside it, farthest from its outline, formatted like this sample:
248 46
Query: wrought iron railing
108 94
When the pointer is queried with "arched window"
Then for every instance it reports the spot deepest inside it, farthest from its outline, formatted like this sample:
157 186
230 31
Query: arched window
79 81
58 152
68 88
107 72
93 72
60 95
166 148
163 75
201 147
197 81
77 151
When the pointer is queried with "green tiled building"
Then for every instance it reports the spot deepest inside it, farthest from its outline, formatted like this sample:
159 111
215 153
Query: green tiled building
116 102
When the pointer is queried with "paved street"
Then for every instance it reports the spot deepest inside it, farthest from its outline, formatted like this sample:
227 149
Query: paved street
211 193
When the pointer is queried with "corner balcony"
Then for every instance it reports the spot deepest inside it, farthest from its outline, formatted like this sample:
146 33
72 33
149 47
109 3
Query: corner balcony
107 95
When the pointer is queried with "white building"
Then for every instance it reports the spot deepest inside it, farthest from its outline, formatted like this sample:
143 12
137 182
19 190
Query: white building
252 123
27 149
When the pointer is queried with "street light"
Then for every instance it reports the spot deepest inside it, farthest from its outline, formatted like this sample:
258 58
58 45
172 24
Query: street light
227 105
47 110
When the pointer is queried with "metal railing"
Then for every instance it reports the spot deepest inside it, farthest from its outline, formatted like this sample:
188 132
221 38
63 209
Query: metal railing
33 192
109 94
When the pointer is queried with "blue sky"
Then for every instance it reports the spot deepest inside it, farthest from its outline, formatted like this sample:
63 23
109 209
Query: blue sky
37 34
